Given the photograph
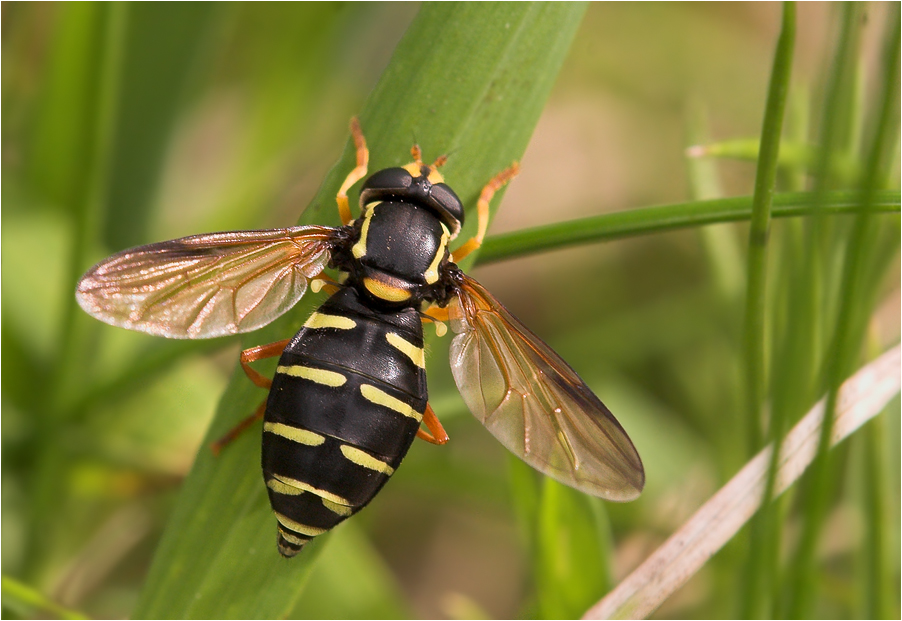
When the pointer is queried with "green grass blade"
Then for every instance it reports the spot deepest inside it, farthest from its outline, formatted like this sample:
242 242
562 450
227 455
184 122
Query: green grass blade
160 58
759 230
467 79
351 581
877 562
664 218
721 517
571 565
755 333
855 305
723 255
97 31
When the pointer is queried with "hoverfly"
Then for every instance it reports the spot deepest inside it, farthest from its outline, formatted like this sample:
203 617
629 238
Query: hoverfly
349 393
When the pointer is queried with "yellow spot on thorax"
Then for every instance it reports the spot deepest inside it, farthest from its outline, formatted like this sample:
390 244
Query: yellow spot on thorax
385 291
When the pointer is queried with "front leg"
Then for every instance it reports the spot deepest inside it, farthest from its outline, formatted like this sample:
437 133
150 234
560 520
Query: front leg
363 158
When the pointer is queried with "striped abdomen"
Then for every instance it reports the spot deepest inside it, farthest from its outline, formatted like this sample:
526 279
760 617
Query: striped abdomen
346 402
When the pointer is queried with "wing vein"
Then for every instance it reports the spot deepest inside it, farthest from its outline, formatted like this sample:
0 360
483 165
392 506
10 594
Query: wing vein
557 425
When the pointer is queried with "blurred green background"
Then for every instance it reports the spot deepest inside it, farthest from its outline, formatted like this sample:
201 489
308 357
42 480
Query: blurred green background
228 116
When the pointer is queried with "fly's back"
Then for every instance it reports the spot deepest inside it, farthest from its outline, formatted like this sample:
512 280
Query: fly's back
400 242
350 389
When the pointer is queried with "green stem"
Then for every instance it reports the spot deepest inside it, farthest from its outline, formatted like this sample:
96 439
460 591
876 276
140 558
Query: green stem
876 556
854 308
663 218
109 22
757 603
759 230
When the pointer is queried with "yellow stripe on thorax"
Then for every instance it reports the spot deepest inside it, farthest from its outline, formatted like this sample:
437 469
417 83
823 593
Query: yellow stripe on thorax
320 376
431 273
364 459
359 249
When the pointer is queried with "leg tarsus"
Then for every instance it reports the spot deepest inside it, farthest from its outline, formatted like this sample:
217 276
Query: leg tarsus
252 354
260 352
436 433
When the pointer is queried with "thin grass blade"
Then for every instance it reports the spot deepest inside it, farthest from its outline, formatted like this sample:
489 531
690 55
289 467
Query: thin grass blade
862 397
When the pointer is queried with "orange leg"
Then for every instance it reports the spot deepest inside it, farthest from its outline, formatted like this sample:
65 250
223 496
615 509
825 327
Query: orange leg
259 353
436 433
238 429
363 159
437 313
247 357
495 184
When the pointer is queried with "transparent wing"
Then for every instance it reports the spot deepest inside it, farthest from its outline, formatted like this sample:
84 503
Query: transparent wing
206 285
534 403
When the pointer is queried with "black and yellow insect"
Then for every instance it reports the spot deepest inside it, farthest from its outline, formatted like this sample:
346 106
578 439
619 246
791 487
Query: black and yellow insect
349 392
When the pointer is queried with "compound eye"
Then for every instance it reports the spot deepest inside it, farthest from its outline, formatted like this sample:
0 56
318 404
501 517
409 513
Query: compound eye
388 181
448 202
